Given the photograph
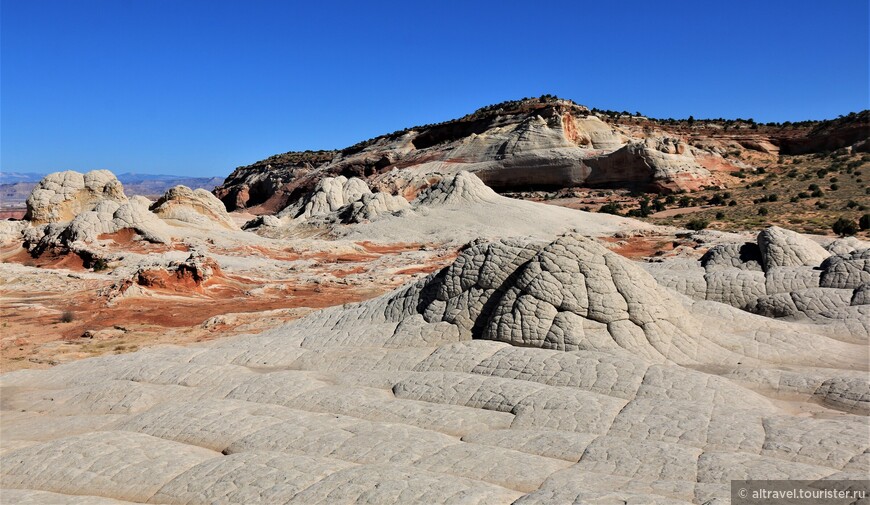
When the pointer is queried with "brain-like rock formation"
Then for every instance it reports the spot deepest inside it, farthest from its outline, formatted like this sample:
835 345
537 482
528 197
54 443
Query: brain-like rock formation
106 217
785 248
456 189
196 207
343 200
571 294
330 194
371 206
785 275
525 372
61 196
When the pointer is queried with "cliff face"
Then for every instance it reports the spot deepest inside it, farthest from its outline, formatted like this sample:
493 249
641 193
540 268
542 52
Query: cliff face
255 184
535 144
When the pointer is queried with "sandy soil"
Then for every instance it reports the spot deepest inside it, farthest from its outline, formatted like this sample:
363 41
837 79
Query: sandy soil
55 310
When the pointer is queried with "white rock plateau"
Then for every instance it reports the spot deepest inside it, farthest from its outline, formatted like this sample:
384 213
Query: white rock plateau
540 368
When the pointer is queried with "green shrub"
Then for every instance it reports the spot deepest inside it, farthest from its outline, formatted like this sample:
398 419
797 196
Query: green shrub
697 224
843 227
864 222
762 211
610 208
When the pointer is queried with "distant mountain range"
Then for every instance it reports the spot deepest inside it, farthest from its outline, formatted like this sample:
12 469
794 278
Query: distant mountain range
16 186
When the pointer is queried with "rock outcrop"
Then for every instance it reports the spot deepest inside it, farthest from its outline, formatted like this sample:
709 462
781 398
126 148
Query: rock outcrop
71 212
456 189
105 218
540 144
513 146
61 196
783 275
330 194
195 207
785 248
343 200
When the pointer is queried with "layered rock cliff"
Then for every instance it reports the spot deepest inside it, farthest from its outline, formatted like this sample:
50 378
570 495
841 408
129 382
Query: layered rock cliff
542 143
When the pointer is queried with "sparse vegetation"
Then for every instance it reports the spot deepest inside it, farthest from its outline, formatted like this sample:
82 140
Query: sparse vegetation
67 316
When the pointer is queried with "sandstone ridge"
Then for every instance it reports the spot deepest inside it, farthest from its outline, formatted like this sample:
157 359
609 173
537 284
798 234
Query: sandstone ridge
546 143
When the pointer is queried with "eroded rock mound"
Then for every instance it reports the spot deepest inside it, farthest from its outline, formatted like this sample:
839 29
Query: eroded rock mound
371 206
61 196
107 217
456 189
785 248
191 275
784 275
196 207
343 200
330 194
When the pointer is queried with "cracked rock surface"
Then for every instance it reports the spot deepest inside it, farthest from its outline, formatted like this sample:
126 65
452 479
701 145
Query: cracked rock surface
525 372
784 275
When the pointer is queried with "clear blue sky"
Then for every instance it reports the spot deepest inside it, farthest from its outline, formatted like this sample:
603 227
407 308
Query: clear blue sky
200 87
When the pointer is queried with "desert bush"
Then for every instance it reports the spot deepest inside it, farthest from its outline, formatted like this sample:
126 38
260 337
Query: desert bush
610 208
697 224
844 227
864 222
67 316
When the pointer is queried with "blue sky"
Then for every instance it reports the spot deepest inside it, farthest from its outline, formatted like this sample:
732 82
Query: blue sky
199 87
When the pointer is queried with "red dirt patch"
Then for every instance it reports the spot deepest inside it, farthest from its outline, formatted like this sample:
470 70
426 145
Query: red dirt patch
341 274
640 247
423 269
126 240
398 247
21 256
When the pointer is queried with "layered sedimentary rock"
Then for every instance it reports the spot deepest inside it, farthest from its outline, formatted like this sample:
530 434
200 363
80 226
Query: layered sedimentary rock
527 372
540 144
513 146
